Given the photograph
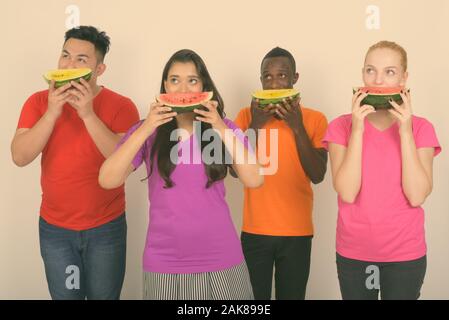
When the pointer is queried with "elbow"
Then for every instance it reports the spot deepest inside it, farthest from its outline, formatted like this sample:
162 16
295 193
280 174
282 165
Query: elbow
254 182
317 180
347 196
106 182
416 200
18 160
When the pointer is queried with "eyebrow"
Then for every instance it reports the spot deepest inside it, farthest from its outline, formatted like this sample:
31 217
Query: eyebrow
177 76
390 67
80 55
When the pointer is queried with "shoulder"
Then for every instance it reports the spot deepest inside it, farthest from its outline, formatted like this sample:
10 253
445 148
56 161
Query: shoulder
39 97
344 120
244 113
38 100
313 117
419 122
112 96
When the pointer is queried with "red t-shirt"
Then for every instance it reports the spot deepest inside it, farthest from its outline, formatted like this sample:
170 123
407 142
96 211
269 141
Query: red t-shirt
71 196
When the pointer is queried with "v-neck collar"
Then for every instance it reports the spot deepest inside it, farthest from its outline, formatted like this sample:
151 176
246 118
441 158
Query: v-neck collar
393 125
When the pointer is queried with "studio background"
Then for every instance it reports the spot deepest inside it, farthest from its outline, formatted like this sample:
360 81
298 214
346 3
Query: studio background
328 39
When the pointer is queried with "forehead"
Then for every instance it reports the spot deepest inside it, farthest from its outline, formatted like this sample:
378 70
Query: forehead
384 57
183 69
276 63
78 47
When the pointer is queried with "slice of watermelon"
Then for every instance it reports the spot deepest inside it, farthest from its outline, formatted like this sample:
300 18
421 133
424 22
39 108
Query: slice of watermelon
185 102
378 97
267 97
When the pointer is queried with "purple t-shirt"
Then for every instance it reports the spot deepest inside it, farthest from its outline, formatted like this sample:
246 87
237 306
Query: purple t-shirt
381 225
190 228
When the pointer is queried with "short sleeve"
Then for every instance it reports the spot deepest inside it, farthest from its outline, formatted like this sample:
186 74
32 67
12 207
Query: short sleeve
143 151
337 132
126 117
320 131
243 120
238 133
32 111
425 136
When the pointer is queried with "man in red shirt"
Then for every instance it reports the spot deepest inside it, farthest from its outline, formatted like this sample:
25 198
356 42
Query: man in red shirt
82 227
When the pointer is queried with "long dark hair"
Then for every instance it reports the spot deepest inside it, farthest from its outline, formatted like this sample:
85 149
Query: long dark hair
162 144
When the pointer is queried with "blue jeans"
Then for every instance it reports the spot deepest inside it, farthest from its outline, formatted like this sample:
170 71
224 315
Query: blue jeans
86 264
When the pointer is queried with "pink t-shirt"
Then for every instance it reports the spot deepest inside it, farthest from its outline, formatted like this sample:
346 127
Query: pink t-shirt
381 225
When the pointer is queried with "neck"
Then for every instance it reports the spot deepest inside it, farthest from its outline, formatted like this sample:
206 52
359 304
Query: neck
381 116
185 120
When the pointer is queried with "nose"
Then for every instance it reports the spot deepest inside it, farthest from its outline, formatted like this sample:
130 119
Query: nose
183 88
274 85
379 79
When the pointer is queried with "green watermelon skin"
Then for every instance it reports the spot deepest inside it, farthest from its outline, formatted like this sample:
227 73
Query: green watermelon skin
187 109
266 102
62 83
381 101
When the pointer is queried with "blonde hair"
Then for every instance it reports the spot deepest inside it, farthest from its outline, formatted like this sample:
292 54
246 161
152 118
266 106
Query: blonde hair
393 46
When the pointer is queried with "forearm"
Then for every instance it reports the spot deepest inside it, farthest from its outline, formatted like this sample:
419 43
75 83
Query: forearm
244 161
116 168
313 162
26 146
415 182
348 179
105 140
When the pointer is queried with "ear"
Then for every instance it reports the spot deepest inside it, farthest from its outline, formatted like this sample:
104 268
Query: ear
165 85
101 68
296 78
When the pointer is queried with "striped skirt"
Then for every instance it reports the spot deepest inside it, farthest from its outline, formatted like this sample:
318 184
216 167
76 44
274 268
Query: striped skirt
230 284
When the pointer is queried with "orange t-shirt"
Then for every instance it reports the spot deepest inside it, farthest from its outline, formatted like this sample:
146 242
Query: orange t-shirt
71 196
282 206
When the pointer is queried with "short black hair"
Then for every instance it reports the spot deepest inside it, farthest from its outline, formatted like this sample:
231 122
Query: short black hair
100 40
279 52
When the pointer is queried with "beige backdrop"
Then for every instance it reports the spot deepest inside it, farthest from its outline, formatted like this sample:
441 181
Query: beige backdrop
328 39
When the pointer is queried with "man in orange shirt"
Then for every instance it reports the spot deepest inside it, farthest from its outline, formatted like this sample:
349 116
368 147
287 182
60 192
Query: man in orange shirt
82 228
277 221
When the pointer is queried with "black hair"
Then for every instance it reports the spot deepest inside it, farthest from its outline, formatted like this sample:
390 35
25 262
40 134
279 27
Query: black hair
100 40
162 144
279 52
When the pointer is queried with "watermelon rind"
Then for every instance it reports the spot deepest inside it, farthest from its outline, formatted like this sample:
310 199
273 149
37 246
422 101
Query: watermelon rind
84 73
279 96
380 101
185 108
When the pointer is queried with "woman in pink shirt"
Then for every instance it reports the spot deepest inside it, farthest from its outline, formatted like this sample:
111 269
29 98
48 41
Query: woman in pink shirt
381 163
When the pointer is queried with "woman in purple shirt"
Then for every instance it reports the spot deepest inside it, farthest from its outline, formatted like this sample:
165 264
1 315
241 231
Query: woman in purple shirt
192 250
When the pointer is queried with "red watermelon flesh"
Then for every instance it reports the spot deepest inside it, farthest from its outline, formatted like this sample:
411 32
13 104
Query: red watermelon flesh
184 102
381 90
